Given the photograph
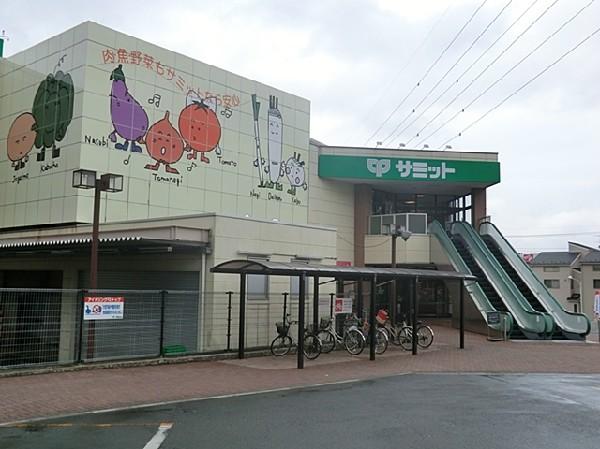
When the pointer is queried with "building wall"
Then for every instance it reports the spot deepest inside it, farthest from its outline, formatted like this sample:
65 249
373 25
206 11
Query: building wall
588 275
378 249
332 204
560 294
217 169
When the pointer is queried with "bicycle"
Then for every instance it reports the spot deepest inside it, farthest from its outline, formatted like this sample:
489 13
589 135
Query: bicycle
392 331
352 339
424 336
282 344
381 337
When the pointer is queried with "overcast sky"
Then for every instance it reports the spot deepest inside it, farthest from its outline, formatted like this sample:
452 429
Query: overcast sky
356 60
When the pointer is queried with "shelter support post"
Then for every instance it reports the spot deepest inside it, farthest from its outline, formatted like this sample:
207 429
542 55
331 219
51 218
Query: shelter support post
285 297
372 319
301 307
415 307
331 298
242 321
359 296
461 312
315 303
393 284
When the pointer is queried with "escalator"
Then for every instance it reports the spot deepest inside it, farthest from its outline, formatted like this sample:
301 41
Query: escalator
569 325
497 285
482 293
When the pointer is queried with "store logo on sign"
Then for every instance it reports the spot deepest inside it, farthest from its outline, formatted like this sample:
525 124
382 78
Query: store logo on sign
379 167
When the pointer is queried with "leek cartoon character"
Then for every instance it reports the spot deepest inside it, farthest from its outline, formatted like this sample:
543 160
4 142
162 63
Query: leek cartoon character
275 130
128 117
164 145
53 111
294 170
20 140
259 162
199 126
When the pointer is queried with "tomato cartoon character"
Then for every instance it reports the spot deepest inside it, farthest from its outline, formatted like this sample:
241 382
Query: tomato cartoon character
200 128
20 139
164 145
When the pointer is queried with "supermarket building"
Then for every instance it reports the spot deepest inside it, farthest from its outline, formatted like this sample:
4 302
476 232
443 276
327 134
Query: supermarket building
215 167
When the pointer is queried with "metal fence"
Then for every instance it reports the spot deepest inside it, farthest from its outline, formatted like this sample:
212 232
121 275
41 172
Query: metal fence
43 327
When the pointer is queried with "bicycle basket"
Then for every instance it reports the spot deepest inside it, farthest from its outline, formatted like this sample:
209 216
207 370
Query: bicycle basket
310 329
282 329
324 324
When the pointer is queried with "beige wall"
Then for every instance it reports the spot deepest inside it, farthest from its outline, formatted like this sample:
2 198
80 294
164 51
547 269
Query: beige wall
560 294
587 285
378 249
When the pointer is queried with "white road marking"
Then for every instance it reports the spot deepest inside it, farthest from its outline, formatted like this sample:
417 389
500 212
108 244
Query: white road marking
159 436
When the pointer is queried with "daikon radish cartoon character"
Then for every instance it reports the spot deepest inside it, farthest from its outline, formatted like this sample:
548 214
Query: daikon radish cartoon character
275 144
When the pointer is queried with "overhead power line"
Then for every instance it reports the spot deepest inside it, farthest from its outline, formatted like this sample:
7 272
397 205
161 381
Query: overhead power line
565 234
434 87
521 61
485 52
444 51
481 73
406 64
523 86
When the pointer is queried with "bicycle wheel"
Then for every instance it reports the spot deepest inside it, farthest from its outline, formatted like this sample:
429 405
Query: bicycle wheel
405 338
381 341
424 336
281 345
354 342
327 341
312 346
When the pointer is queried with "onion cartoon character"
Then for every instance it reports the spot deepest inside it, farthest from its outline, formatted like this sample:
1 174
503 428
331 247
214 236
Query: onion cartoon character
20 140
164 145
129 119
294 170
200 128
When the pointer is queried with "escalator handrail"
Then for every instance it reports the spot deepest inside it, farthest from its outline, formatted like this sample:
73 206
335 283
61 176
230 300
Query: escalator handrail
479 297
508 291
536 286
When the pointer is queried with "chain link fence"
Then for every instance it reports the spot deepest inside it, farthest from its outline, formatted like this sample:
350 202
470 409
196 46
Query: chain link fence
45 327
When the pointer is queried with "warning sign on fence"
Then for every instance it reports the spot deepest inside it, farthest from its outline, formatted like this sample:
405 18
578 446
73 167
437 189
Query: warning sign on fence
103 307
343 305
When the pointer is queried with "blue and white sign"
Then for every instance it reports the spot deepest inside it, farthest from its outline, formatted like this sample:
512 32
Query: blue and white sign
103 307
597 304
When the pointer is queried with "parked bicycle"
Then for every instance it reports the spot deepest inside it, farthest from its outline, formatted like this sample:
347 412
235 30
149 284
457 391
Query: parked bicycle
424 336
283 343
352 339
392 331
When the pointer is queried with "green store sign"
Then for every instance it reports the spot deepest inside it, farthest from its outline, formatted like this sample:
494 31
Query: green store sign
408 169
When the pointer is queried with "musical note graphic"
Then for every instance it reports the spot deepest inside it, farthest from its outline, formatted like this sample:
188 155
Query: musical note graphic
155 100
126 161
190 167
227 112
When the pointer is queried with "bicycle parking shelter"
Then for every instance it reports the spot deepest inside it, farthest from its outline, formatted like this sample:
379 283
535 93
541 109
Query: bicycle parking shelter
244 267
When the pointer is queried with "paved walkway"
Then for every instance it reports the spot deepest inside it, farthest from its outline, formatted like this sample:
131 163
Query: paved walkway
55 394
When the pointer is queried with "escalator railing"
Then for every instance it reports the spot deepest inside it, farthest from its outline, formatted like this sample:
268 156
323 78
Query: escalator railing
535 325
478 296
573 325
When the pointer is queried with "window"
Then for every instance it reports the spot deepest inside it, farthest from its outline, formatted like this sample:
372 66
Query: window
257 286
595 267
596 283
551 269
552 283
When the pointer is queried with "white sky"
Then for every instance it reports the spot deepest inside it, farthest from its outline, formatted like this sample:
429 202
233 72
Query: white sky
357 59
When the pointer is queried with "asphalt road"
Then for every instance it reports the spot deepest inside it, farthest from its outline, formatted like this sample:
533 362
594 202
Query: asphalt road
425 411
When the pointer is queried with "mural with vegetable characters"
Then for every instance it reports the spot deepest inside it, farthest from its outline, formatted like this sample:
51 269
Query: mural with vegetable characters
186 136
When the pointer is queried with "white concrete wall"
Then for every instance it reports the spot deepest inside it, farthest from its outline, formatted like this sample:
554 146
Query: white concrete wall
378 249
560 294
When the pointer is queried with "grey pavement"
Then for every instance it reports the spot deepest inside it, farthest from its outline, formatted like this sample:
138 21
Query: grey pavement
446 411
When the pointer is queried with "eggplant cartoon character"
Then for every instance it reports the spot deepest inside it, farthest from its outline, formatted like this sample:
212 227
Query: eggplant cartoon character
129 119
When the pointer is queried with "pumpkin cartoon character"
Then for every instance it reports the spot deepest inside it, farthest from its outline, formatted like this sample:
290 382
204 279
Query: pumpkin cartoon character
164 145
200 128
20 140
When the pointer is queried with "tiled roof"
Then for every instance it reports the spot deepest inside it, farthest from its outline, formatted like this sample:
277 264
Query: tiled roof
554 258
591 257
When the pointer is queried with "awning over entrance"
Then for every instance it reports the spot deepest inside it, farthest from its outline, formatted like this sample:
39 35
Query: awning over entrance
316 271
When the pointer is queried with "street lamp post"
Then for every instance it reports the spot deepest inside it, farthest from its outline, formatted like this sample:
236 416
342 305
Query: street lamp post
108 182
404 235
580 300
